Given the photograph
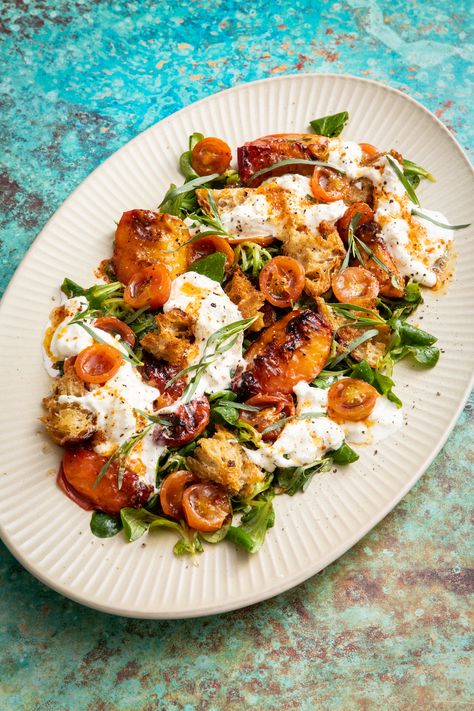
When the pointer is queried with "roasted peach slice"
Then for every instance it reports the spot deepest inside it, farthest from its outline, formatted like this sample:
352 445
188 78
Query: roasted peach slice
295 348
144 238
263 152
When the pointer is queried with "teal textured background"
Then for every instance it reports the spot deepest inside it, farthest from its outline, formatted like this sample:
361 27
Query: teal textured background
389 624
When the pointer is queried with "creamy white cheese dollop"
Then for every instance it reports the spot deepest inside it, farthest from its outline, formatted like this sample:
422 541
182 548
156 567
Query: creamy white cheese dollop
252 218
205 301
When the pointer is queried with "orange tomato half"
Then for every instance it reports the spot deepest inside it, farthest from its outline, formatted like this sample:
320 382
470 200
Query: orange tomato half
150 287
209 245
356 286
282 281
328 185
211 155
351 399
172 490
206 507
98 363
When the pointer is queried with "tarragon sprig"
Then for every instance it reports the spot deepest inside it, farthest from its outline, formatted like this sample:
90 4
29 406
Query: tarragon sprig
121 455
221 341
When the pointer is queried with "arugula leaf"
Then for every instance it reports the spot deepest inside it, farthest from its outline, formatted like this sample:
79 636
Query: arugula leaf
331 125
344 455
211 266
293 479
104 525
136 522
251 532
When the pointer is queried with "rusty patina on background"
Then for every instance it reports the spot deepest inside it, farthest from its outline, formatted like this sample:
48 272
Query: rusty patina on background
386 626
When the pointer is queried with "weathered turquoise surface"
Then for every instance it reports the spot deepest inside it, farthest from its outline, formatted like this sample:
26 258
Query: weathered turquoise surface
388 625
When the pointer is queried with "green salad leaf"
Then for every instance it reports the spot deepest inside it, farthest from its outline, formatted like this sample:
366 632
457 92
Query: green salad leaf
104 525
212 266
331 125
250 533
344 455
290 480
137 522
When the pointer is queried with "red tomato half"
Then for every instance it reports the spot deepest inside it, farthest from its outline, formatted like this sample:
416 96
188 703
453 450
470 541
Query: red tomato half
186 423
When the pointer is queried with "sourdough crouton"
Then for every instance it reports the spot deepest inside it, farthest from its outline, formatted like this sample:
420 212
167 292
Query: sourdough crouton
372 350
222 460
321 255
243 294
174 340
68 423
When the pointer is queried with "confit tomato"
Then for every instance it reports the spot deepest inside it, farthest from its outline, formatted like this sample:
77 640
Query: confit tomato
97 363
79 471
185 423
351 399
115 326
366 214
282 281
328 185
208 245
206 507
150 287
172 490
356 286
272 409
211 155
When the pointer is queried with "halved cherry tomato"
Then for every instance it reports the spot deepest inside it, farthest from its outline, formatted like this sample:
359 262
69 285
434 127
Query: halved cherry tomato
282 281
356 286
150 287
366 215
171 492
80 469
273 408
351 399
98 363
206 507
114 325
328 185
186 423
158 373
208 245
263 241
211 155
369 150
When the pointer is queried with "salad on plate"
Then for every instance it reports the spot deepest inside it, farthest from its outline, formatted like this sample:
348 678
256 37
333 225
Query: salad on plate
243 336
